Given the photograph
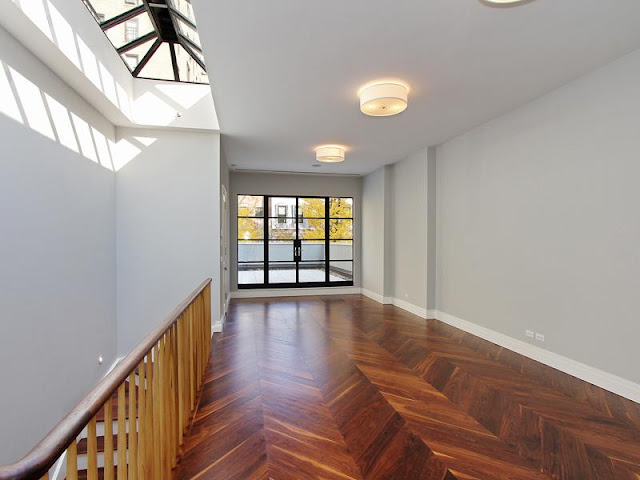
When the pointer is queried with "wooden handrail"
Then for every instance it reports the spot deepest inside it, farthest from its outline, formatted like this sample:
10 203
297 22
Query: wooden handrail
43 456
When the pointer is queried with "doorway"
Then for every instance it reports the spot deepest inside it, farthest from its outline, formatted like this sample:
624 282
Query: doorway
294 241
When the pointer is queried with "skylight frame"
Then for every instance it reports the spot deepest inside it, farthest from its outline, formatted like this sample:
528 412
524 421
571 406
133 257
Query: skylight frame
172 36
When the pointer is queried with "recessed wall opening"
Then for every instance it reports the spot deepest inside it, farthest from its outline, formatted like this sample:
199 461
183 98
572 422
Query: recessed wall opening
294 241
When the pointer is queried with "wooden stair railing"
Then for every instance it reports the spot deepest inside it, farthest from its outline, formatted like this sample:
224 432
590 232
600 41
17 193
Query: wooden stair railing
149 398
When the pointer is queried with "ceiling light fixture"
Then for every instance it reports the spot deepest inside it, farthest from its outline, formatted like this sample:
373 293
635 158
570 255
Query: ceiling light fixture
504 2
383 99
330 153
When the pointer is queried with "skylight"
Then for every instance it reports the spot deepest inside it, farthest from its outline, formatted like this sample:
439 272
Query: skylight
156 39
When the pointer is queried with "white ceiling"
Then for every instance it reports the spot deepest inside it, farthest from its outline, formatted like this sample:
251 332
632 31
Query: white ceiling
285 73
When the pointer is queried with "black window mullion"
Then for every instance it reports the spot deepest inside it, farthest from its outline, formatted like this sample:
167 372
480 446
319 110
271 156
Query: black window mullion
265 234
297 243
327 240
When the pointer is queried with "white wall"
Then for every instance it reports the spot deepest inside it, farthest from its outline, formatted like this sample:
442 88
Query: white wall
283 184
168 201
57 249
537 221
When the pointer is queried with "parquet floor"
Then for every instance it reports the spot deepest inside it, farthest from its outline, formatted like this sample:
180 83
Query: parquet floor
345 388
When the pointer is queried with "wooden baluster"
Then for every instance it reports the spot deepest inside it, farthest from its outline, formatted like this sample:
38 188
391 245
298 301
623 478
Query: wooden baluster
45 476
207 311
92 450
166 414
72 461
133 428
108 440
174 396
150 429
142 392
180 346
122 432
156 454
190 349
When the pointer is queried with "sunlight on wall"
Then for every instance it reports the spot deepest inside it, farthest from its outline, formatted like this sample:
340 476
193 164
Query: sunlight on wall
184 95
64 36
33 105
62 121
125 152
8 103
34 9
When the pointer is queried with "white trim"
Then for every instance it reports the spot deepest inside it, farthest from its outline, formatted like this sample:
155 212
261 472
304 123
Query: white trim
295 292
409 307
432 313
608 381
113 365
377 297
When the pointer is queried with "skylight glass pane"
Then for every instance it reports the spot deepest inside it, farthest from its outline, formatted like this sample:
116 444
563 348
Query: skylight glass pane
187 31
189 69
184 7
130 30
159 67
107 9
133 57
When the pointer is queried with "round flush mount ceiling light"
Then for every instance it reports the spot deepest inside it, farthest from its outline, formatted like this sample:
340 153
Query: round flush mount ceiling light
330 153
383 99
505 3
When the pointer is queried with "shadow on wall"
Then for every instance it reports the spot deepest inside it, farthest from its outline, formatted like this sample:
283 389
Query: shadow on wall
146 102
26 103
57 29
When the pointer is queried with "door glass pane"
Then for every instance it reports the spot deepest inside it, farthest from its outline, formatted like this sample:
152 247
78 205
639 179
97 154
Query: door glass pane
250 273
282 205
250 228
282 228
312 207
250 206
282 272
312 272
341 229
250 250
341 208
341 250
311 228
313 250
341 271
280 251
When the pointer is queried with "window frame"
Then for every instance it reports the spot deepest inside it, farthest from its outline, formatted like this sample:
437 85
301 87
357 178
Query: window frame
266 262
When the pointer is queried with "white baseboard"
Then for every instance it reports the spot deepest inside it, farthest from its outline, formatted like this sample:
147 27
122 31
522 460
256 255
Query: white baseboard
295 292
608 381
409 307
432 313
376 296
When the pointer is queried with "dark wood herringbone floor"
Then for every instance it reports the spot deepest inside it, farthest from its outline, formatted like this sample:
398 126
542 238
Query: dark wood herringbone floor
345 388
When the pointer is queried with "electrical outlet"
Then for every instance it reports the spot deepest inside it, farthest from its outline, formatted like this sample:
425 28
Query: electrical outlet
529 333
540 337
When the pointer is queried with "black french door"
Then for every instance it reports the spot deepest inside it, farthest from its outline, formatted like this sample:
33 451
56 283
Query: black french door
288 242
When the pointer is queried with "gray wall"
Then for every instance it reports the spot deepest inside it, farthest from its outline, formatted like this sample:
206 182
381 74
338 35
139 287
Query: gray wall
57 252
284 184
538 225
409 227
168 201
373 223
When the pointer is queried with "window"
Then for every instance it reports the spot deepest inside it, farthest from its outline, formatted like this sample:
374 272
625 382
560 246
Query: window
162 34
282 214
131 30
294 241
131 60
